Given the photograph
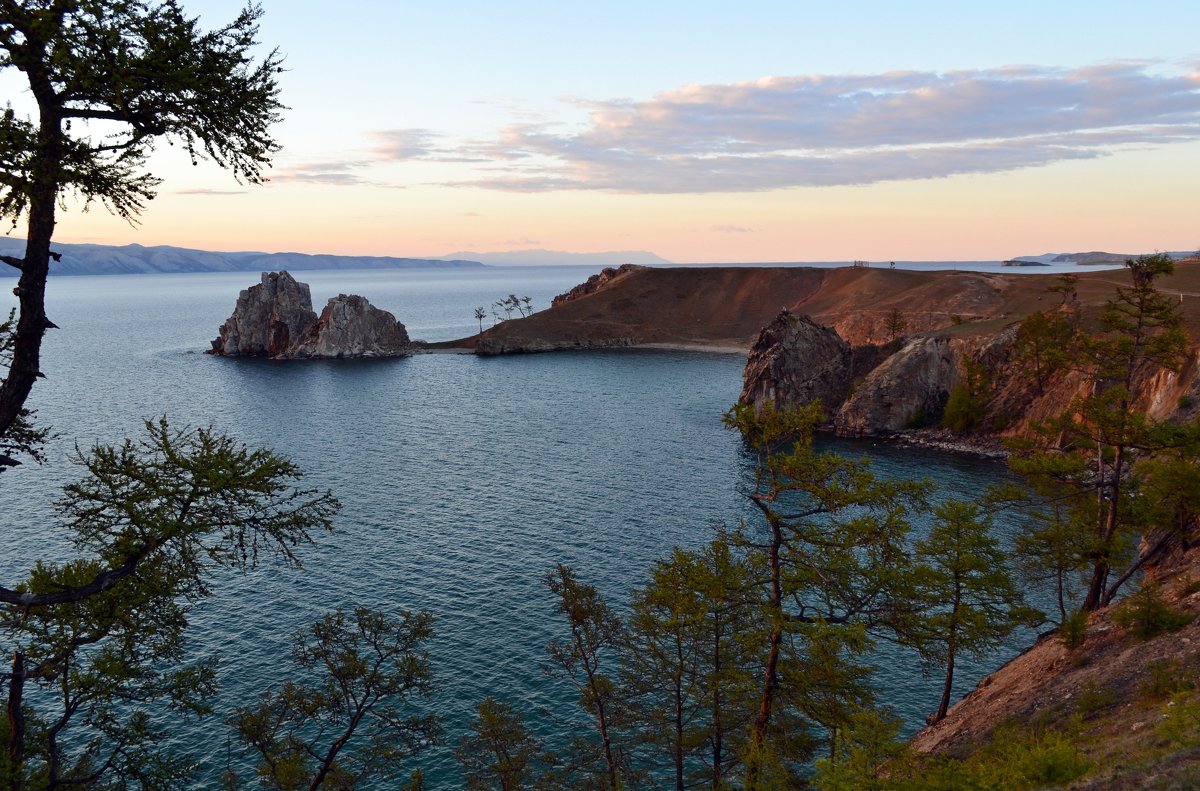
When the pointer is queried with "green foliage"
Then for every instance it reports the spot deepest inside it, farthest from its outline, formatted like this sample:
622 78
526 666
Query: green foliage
1167 678
895 324
360 673
969 602
869 751
968 398
147 70
1044 345
498 752
832 555
1146 614
687 666
1093 699
101 636
1180 725
1074 629
1083 461
595 634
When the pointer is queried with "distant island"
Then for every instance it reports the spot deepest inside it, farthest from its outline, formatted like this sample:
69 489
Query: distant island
100 259
1092 258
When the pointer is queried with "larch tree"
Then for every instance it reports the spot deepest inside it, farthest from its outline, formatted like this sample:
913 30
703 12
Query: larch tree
110 79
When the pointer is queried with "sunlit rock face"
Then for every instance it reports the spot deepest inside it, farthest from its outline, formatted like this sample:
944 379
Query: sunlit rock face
267 319
275 319
350 326
796 361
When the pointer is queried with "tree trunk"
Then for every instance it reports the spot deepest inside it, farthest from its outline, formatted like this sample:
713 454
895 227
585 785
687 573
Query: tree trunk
771 671
1095 594
944 705
31 287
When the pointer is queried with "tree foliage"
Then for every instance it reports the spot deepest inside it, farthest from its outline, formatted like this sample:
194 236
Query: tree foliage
100 638
110 78
361 672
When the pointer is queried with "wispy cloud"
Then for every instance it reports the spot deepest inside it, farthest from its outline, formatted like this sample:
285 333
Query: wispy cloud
731 229
801 131
209 192
336 172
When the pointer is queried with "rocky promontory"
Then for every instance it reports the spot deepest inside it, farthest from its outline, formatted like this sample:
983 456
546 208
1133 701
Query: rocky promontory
275 319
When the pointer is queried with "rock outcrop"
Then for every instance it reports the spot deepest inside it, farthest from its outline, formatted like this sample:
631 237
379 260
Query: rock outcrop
594 283
794 360
350 326
275 319
909 388
268 318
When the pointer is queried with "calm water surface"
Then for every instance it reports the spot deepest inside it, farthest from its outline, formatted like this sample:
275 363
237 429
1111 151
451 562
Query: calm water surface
464 480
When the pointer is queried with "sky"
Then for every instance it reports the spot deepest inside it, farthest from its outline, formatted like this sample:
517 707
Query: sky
705 132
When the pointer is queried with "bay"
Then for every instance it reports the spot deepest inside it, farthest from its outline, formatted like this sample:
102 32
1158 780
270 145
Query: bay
464 480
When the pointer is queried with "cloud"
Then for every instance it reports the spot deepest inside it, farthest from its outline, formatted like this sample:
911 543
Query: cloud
731 229
339 173
402 144
827 130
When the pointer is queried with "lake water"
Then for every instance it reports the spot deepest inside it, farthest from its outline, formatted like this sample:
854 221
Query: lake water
464 480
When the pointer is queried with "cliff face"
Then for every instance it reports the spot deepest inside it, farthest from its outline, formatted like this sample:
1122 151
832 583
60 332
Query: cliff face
275 319
908 383
795 360
349 326
267 318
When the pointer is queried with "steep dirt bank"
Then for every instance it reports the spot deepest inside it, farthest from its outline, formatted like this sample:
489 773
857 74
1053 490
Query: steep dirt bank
1117 693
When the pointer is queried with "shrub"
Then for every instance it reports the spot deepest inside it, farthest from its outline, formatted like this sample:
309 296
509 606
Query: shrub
1146 614
1181 724
1093 698
1073 630
1185 401
1165 680
962 411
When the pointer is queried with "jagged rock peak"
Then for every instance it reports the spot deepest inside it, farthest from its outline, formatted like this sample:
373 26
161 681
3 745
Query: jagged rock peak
794 360
350 326
907 389
594 283
275 319
268 318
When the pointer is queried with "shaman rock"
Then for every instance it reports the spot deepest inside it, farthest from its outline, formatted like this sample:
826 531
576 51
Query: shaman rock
268 318
350 326
275 319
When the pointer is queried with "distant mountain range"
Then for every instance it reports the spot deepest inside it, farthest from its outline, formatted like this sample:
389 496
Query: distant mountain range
1094 257
99 259
547 257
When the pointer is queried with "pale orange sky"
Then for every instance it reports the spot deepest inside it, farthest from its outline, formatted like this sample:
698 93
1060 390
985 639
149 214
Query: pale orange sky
705 136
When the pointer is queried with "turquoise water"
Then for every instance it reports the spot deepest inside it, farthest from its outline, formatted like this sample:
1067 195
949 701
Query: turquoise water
464 480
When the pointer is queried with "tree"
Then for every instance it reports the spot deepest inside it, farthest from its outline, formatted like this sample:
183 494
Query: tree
687 663
595 631
498 752
480 313
360 673
834 564
101 636
21 438
1043 345
971 603
1084 459
895 324
110 78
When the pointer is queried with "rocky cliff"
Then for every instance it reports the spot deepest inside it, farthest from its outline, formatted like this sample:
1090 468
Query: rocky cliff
275 319
267 319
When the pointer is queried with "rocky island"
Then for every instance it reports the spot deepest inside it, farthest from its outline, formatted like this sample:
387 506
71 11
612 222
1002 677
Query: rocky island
275 319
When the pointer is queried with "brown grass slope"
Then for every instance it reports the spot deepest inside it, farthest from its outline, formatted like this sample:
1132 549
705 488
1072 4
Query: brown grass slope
727 306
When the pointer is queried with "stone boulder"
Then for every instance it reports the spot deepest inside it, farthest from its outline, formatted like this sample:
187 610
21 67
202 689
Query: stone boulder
794 360
268 318
908 388
350 326
275 319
